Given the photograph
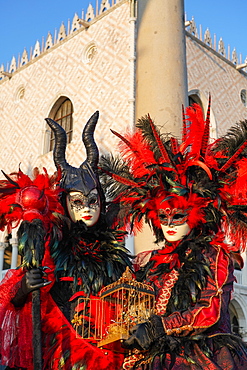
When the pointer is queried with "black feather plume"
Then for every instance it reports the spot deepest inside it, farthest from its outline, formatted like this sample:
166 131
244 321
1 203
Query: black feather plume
31 240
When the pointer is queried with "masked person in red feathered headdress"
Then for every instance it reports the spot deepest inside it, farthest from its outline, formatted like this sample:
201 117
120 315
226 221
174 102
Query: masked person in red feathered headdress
69 253
188 193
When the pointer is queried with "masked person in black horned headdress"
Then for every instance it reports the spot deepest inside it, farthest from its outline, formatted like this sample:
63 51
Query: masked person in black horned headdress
191 194
80 250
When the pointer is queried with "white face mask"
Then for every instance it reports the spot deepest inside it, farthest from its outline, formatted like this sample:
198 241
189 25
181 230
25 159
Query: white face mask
174 233
84 208
174 224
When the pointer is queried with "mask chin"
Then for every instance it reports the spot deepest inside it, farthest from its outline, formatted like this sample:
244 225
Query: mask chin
175 233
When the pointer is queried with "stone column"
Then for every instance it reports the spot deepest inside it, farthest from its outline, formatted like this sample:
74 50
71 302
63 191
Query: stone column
14 256
161 73
2 248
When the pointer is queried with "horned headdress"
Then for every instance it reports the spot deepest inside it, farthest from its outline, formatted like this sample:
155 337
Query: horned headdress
84 178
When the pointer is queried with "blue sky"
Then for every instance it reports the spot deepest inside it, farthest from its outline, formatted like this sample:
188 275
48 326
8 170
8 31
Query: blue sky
23 22
225 18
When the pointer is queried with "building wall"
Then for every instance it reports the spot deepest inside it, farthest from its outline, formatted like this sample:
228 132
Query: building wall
90 67
211 73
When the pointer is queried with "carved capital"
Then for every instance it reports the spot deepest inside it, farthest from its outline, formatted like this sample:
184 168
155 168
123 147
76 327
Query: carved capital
3 246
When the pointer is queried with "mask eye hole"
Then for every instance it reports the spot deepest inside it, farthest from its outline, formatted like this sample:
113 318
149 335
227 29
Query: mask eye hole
77 202
163 219
93 200
178 216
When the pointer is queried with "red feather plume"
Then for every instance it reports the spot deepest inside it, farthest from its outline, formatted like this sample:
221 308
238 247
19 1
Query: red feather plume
233 158
159 142
205 138
195 132
174 145
184 125
127 142
142 156
121 179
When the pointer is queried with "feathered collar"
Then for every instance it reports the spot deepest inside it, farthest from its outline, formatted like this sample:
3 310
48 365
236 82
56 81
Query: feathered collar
189 258
93 257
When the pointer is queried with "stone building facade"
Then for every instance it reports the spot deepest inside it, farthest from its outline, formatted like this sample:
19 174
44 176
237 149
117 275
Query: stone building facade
91 65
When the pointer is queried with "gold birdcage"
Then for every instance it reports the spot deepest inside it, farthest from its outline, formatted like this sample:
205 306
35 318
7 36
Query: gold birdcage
107 319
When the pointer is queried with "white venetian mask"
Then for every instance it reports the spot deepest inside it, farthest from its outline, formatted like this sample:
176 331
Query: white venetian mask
84 208
174 224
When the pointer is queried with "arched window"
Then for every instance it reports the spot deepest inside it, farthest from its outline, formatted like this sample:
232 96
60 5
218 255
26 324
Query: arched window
194 98
62 113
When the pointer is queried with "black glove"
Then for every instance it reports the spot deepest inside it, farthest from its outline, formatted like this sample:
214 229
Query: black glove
32 280
144 334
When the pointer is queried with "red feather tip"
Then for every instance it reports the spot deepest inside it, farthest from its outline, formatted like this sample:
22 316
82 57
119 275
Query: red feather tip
141 158
205 137
121 179
195 131
159 142
128 143
184 125
234 157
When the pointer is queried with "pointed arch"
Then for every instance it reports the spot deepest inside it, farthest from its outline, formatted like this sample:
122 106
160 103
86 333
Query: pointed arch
62 113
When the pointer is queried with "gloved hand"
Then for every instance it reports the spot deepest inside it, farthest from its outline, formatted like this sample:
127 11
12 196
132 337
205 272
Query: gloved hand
144 334
32 280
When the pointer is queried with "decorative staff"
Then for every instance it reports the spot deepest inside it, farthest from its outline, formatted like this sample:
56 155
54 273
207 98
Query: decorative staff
32 238
33 206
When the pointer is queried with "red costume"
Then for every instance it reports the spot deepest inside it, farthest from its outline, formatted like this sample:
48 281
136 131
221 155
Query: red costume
188 193
62 347
78 260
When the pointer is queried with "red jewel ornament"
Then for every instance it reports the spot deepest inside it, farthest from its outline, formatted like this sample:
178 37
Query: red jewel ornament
32 198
